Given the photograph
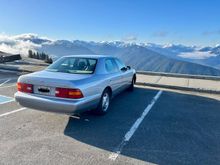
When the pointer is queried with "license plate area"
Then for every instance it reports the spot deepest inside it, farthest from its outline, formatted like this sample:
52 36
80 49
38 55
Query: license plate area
44 90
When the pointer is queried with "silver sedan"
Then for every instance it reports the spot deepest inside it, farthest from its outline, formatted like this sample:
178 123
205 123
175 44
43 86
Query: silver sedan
74 84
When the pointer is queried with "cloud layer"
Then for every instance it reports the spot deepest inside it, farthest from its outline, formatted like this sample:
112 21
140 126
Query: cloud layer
196 55
17 44
24 42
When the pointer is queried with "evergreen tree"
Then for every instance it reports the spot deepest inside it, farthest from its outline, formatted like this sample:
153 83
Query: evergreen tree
40 56
30 54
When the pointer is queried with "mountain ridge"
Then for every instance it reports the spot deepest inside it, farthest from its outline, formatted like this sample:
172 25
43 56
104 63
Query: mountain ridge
149 57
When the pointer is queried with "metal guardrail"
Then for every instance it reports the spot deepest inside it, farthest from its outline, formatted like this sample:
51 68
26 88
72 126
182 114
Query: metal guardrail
201 90
176 87
9 58
201 77
206 77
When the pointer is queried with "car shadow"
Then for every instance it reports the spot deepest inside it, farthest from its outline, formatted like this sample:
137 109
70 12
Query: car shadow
168 135
110 128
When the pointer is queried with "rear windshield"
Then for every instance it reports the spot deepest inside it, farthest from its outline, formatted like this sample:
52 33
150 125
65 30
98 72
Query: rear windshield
74 65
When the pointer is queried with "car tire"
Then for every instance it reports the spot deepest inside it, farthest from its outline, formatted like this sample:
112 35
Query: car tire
104 103
131 87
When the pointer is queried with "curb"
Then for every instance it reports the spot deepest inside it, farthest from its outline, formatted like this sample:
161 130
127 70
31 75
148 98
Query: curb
15 69
201 90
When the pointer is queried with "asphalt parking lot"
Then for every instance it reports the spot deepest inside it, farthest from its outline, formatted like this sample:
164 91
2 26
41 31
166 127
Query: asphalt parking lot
176 129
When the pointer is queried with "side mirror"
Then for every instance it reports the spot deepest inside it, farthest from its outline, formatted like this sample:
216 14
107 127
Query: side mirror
123 69
128 67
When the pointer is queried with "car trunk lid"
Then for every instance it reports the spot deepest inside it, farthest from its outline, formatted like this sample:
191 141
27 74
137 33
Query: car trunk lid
46 82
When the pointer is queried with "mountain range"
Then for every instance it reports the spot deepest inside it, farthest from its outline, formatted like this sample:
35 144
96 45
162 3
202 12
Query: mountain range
149 57
209 56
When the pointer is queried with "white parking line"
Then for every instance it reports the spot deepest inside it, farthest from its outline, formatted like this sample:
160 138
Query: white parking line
5 82
4 79
7 101
113 156
12 78
8 113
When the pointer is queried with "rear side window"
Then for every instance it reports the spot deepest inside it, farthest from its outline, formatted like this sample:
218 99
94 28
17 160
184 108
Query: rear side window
111 66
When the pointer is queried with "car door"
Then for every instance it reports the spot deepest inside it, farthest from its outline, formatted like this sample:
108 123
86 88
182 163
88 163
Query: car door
114 75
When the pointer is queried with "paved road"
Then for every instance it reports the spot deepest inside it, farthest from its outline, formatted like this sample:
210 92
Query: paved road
177 129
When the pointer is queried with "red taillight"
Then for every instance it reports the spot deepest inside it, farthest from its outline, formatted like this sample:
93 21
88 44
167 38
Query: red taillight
27 88
68 93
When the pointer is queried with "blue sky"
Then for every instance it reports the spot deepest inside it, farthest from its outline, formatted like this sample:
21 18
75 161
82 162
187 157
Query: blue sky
190 22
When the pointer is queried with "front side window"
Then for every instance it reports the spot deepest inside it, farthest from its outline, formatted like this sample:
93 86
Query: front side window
73 65
120 63
110 66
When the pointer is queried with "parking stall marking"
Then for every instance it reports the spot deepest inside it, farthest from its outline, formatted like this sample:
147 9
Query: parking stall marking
4 79
5 99
11 78
14 111
5 82
113 156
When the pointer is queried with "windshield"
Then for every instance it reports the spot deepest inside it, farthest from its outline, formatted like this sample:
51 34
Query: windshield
75 65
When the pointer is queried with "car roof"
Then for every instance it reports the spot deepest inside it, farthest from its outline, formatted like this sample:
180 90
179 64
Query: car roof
91 56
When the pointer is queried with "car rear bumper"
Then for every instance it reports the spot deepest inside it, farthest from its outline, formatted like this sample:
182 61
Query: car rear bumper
57 105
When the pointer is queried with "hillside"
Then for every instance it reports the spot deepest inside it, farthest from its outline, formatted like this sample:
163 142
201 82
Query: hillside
147 60
134 55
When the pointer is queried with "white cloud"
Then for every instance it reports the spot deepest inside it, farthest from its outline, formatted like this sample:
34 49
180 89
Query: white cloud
17 44
197 55
29 36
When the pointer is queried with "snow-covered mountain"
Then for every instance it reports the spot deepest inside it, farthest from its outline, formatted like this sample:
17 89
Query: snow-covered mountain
170 50
150 57
209 56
